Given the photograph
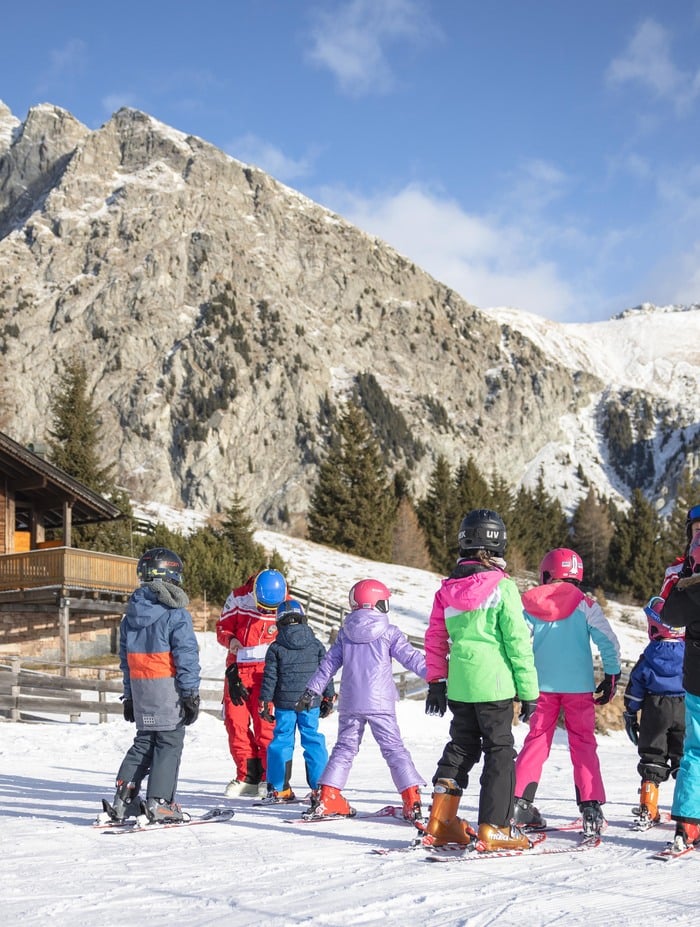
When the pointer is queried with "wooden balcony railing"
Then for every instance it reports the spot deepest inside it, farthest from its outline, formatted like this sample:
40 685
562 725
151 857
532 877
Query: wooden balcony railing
69 567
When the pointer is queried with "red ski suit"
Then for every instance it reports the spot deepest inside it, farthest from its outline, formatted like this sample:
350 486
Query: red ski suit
253 630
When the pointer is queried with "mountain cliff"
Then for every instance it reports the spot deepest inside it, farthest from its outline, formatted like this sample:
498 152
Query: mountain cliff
221 313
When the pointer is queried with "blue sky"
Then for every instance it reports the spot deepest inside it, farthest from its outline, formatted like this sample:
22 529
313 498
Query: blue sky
542 154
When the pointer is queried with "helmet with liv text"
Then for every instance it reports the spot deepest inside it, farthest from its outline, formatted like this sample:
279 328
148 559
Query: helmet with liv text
160 563
657 630
482 529
269 590
561 563
290 612
370 593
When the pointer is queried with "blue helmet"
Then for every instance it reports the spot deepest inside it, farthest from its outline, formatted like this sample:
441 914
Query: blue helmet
269 590
291 612
160 563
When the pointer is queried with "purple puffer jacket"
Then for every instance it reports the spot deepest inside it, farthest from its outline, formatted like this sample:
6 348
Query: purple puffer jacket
365 647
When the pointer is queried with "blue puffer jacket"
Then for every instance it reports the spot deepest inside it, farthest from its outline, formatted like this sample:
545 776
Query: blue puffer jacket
290 660
658 671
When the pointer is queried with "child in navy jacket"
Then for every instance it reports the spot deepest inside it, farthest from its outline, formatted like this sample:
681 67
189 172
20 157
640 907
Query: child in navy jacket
655 688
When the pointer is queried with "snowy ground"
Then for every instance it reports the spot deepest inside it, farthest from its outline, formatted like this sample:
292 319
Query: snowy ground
258 870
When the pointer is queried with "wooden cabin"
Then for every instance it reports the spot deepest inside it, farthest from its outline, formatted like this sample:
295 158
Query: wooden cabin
56 601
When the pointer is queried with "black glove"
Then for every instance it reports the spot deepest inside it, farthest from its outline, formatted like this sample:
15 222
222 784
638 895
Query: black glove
128 709
327 703
305 700
190 707
527 708
632 726
436 699
608 688
236 690
265 711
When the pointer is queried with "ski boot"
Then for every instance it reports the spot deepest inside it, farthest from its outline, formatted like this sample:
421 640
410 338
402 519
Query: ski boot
686 835
274 797
124 805
239 788
161 811
444 826
649 803
329 802
412 810
525 814
592 817
510 837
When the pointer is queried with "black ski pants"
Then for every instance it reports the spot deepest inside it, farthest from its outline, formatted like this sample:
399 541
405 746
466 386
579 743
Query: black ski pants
661 735
486 727
155 754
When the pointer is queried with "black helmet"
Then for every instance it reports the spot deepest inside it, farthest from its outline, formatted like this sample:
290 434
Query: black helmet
160 563
482 529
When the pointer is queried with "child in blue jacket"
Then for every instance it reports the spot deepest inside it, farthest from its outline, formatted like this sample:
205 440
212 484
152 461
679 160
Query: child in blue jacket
655 688
291 659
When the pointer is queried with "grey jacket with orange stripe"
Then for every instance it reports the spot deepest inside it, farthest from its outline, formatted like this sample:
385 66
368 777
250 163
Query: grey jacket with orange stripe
158 655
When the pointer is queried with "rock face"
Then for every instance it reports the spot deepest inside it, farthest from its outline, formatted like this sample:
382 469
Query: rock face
220 312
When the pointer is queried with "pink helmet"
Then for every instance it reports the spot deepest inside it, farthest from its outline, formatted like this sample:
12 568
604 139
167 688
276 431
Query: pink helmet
657 630
561 563
694 554
370 593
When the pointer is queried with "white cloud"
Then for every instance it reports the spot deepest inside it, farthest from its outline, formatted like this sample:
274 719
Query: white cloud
486 260
253 150
647 60
351 41
65 63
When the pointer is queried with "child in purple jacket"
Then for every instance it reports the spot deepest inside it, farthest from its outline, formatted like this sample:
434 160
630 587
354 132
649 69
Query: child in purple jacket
365 647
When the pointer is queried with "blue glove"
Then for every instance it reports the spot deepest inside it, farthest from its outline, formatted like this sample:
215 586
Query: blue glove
632 726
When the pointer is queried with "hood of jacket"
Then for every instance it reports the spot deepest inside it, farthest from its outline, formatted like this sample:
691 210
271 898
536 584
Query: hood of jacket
467 596
148 603
365 625
553 601
294 636
665 657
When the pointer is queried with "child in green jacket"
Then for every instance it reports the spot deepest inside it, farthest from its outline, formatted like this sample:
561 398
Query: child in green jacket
477 621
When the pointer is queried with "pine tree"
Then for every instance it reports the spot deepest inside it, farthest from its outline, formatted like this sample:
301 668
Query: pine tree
635 557
591 532
471 488
74 442
408 546
74 436
439 518
352 508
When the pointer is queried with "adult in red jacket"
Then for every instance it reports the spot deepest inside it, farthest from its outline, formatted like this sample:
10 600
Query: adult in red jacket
246 628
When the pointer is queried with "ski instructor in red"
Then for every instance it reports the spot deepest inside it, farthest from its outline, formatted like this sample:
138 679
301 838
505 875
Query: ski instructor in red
246 628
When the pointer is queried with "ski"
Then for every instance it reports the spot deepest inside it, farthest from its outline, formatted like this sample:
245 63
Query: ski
393 812
577 824
141 824
279 804
472 853
644 823
670 853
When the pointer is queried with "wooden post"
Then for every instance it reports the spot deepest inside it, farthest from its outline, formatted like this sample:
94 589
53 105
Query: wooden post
102 695
16 666
64 633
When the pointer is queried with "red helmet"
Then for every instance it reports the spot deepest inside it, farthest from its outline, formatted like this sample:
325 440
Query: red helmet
370 593
561 563
657 630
